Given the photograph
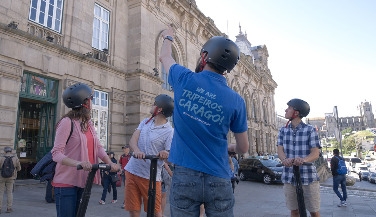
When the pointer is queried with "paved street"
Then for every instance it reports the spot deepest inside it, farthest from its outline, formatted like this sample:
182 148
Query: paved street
253 199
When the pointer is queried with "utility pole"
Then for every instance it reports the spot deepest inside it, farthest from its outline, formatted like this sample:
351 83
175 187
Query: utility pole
339 134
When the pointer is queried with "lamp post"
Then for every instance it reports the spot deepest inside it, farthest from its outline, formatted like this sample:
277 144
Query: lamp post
335 113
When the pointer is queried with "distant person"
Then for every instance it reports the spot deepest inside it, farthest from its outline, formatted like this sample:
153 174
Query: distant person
152 137
298 143
360 176
338 179
123 161
108 182
7 182
83 148
206 109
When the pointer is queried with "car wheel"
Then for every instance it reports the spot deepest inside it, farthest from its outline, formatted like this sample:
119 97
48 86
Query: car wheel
242 176
267 179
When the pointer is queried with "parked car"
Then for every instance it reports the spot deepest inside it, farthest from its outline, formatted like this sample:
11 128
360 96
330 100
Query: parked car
364 175
260 169
361 168
367 157
372 178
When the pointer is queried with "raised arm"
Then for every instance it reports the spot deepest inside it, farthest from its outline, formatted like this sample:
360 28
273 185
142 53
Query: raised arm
166 51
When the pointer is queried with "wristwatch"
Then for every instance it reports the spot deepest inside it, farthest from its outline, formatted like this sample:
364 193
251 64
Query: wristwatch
168 37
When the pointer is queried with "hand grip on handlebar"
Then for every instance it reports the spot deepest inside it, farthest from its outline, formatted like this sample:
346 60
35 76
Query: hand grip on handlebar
304 164
97 166
148 157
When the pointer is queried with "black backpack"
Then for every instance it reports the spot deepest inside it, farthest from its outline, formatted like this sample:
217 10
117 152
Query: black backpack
7 169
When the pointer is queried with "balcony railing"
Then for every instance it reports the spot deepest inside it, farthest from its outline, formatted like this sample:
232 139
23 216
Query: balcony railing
99 55
45 33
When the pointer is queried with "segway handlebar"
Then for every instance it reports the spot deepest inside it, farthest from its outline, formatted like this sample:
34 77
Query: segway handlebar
304 164
97 166
148 157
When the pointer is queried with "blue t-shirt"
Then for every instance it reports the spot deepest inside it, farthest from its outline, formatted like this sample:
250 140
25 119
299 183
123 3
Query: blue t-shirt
205 110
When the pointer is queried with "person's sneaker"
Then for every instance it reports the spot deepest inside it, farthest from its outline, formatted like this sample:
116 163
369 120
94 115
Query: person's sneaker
343 203
9 210
114 201
340 204
102 202
123 206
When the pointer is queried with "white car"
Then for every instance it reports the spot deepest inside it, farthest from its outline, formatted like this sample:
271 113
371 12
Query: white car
367 157
361 168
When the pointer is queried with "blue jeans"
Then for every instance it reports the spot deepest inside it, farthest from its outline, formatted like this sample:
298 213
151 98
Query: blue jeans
106 183
67 201
190 189
337 180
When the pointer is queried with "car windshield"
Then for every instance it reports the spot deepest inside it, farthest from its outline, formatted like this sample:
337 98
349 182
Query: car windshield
363 168
365 173
269 163
356 160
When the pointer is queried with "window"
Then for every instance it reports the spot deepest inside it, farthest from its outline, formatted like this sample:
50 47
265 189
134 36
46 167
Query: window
47 13
101 25
38 87
99 115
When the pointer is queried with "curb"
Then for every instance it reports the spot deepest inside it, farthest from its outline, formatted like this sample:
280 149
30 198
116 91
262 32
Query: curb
349 187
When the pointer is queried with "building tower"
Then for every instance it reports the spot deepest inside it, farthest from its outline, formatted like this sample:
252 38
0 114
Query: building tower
366 114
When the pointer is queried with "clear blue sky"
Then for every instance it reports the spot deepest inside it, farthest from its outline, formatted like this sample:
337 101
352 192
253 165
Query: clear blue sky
322 51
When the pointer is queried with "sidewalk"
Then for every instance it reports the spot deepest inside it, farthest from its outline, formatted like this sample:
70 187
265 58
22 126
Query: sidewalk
252 199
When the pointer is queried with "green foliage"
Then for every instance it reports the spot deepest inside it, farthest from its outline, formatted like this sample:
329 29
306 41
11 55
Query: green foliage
347 130
351 141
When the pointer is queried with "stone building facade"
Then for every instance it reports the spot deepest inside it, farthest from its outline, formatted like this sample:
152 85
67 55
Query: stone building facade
113 46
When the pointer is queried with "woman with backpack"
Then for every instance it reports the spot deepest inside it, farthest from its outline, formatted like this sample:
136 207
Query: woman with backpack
83 148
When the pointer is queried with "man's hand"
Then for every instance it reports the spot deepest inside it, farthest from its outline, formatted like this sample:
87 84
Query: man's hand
169 31
139 154
288 162
298 161
163 154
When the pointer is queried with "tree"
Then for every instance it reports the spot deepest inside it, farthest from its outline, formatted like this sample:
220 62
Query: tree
352 141
346 131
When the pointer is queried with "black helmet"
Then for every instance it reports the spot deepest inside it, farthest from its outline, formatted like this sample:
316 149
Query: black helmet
166 103
222 52
75 95
301 106
7 149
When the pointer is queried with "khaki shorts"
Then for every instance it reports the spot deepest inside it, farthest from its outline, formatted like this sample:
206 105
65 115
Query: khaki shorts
136 191
311 196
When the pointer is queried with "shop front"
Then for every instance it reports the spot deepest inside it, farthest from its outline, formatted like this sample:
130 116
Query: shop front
35 121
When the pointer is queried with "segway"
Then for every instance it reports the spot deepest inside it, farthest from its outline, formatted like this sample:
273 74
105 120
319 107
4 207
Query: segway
299 189
152 184
89 184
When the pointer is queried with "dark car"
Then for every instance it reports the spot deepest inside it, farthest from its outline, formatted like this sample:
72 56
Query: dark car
365 175
263 169
372 178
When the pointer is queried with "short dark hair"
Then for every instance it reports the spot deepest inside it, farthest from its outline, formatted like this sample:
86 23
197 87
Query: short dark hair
218 69
335 151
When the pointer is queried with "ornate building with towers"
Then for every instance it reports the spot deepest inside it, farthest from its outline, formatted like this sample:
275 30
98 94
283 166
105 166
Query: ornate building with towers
364 121
113 46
